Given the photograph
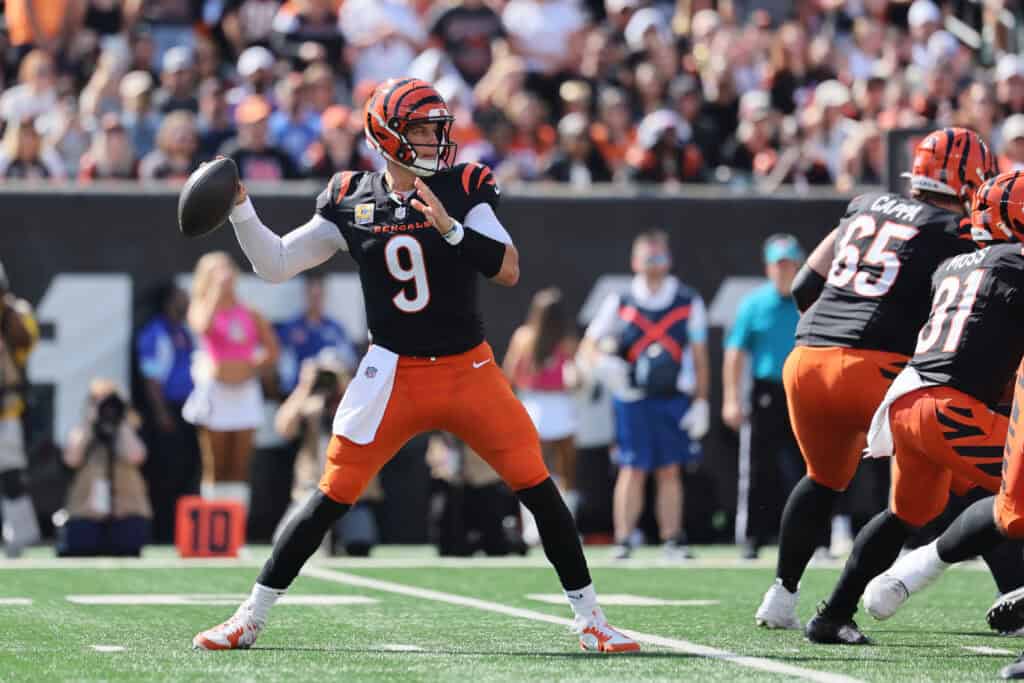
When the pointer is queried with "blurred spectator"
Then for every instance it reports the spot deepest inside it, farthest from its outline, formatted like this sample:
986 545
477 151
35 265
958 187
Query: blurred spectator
576 161
1012 154
924 19
142 49
293 126
787 74
177 149
612 133
105 17
386 35
110 157
310 333
539 363
169 23
137 114
66 134
534 136
101 94
335 150
226 404
256 67
47 25
1009 77
688 101
35 93
248 22
163 349
300 25
978 111
863 158
19 333
320 88
663 152
548 34
761 338
257 159
108 511
215 123
754 136
23 156
649 346
467 29
177 82
207 59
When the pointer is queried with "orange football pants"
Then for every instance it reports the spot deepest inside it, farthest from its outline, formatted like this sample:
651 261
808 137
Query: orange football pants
943 439
1009 506
466 395
832 394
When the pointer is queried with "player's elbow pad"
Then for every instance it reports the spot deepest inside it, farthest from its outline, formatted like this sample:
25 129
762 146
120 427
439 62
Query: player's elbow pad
484 253
807 287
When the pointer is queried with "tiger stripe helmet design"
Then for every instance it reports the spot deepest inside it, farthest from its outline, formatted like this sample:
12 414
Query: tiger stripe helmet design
998 211
951 161
396 104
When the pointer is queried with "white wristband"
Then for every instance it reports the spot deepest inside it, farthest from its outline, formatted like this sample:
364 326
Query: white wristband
454 234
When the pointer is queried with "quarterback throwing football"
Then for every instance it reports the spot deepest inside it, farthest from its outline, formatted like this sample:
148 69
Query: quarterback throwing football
420 232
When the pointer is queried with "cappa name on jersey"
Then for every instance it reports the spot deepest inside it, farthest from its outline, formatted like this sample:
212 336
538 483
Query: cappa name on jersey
897 207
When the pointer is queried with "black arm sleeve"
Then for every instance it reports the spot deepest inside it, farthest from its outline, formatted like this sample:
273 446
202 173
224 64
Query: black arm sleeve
484 253
807 287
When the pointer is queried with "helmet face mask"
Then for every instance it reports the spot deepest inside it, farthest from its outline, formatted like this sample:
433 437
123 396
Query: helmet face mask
394 108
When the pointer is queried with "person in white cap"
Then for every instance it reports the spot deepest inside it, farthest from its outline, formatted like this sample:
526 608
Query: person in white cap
1009 78
1012 156
177 81
256 67
924 18
137 113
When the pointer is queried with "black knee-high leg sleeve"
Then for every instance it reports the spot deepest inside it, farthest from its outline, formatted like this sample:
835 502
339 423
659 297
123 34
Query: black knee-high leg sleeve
805 521
300 539
558 533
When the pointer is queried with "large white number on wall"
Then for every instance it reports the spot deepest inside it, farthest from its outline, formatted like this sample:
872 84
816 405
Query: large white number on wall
91 316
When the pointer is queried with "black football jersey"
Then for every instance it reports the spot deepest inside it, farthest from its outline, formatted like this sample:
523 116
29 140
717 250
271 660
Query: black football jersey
876 295
420 294
974 337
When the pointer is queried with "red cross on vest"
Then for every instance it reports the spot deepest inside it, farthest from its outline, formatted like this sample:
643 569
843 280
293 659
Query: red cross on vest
655 332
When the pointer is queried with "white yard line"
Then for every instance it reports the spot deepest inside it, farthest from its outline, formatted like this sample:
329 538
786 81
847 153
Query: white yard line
107 648
650 639
985 650
18 602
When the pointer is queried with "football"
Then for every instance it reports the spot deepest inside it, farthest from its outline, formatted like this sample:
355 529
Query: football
207 198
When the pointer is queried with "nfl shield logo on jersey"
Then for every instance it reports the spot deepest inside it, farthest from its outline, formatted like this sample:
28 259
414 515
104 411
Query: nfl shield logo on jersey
364 214
371 372
400 213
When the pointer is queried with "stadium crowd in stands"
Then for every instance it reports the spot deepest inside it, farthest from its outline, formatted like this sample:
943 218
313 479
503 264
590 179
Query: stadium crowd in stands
739 92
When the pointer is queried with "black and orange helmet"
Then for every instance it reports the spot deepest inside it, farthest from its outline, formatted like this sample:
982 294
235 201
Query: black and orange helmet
951 161
997 214
395 105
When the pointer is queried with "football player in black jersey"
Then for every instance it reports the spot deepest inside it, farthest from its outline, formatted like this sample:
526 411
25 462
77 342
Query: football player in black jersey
420 233
939 420
865 294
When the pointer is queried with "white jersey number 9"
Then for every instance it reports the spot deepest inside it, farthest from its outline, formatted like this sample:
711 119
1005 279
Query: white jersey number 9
414 298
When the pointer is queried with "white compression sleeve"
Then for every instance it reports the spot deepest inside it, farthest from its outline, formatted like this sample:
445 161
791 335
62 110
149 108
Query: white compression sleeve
276 259
482 219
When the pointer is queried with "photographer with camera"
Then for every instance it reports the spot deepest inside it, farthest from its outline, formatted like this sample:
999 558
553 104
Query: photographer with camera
308 414
108 511
18 334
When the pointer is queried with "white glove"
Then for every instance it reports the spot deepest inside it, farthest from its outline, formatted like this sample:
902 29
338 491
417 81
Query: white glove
613 372
697 419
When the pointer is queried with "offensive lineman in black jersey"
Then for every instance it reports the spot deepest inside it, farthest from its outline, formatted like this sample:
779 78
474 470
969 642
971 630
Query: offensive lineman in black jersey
420 233
939 422
873 274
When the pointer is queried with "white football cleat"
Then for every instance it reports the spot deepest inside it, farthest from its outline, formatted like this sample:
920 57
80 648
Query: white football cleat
237 633
884 595
778 608
597 635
